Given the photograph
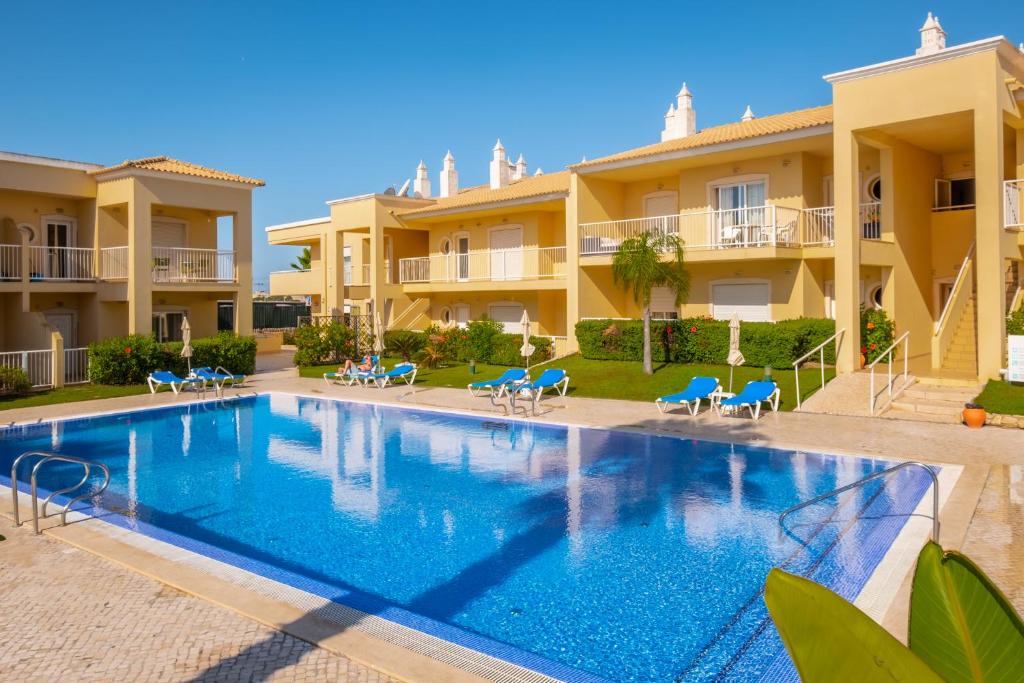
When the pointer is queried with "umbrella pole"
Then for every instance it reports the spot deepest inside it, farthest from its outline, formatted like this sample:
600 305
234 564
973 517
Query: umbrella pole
731 368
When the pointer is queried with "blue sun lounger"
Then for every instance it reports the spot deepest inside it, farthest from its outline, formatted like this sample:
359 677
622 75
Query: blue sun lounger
698 389
218 377
406 371
167 378
752 396
496 387
552 378
355 375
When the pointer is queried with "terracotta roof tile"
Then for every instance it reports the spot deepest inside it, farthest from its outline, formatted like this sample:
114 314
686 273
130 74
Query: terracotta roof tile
168 165
730 132
533 186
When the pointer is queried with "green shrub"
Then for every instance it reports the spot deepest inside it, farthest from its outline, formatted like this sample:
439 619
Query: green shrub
404 343
448 343
876 333
14 381
125 360
318 344
480 337
505 350
1015 322
129 360
705 340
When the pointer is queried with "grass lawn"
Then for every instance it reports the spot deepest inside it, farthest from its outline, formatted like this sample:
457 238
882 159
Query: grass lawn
618 379
1002 397
78 392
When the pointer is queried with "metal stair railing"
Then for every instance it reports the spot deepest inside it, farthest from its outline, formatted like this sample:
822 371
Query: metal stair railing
871 477
44 458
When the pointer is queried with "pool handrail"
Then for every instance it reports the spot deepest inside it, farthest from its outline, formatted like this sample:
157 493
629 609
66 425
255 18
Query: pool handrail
871 477
46 457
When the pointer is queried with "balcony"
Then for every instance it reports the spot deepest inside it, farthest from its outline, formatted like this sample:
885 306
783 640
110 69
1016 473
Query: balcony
174 265
10 262
295 282
1013 193
68 264
488 265
750 227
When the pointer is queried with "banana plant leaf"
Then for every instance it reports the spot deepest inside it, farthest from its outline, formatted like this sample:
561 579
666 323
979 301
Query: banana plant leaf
829 639
960 623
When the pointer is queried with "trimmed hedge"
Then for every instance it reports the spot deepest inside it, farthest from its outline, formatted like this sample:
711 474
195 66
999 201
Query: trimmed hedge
14 381
322 343
704 340
129 360
482 341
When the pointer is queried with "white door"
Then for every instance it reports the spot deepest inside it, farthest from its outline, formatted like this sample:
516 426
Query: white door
167 263
461 313
168 234
65 324
749 300
507 254
509 315
462 258
662 206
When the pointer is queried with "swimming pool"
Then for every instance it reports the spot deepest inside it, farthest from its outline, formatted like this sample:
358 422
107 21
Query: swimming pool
583 554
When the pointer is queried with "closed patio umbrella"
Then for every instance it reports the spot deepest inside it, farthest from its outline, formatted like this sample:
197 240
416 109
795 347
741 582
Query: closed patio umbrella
378 334
186 342
735 357
526 350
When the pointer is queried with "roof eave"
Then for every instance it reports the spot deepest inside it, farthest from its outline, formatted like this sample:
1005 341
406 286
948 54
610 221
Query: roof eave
986 44
486 206
673 155
105 176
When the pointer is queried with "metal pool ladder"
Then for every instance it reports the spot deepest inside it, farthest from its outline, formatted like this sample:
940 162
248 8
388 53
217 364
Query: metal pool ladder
871 477
44 458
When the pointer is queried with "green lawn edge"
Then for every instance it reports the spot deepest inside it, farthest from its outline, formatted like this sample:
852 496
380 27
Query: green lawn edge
71 394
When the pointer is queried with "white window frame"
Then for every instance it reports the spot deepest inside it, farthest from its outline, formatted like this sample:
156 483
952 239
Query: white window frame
740 281
729 181
58 219
162 313
866 188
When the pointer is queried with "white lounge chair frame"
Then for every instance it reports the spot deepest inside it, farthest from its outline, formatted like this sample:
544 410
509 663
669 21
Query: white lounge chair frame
755 407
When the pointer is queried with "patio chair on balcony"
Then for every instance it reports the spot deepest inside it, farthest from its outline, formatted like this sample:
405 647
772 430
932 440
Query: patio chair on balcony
161 268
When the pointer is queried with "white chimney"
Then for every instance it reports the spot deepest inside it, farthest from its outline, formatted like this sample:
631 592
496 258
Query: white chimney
748 115
500 169
519 172
449 176
933 38
680 120
539 171
421 186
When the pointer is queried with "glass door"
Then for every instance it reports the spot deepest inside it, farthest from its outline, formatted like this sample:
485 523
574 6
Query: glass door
462 258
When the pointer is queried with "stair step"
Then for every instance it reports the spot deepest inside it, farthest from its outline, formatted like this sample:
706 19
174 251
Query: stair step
899 414
925 392
930 406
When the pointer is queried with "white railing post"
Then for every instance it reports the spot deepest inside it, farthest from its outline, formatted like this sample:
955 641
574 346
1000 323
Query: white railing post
887 353
820 349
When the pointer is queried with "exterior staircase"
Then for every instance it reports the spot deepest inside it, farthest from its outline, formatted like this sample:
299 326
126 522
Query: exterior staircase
931 403
413 317
961 357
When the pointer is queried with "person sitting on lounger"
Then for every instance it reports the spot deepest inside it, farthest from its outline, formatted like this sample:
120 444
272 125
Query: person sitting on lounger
352 368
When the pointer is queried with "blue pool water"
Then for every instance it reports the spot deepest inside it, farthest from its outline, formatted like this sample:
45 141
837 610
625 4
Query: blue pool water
584 554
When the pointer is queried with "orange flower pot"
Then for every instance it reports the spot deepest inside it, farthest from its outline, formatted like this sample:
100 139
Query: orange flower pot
974 417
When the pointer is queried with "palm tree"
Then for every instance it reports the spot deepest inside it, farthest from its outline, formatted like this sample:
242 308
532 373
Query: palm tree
303 260
640 266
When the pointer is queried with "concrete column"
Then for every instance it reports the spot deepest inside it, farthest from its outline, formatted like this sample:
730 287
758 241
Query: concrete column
57 359
847 251
26 272
377 270
989 265
140 259
241 241
333 257
572 264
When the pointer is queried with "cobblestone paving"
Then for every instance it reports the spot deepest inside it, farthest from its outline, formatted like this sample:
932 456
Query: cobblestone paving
995 538
69 615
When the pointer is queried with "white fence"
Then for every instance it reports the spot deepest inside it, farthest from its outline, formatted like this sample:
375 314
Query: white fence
61 263
1013 192
38 365
755 226
494 265
10 262
819 226
114 263
177 264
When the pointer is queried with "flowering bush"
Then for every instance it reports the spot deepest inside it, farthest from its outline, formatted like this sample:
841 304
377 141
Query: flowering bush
129 360
876 332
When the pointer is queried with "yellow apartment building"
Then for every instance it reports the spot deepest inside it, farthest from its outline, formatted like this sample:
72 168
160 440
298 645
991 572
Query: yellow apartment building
96 251
904 193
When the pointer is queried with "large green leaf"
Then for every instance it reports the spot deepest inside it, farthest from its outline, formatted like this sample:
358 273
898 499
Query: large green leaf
960 623
831 640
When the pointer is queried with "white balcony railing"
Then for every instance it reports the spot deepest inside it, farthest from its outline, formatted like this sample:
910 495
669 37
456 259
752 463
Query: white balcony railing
1013 193
114 263
758 226
366 274
819 226
38 365
173 264
61 263
176 264
871 221
10 262
347 272
493 265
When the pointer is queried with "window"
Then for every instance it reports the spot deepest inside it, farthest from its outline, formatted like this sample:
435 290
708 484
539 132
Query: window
446 315
446 246
167 325
874 189
954 193
740 195
663 304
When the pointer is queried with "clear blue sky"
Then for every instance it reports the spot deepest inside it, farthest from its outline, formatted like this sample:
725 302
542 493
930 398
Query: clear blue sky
327 100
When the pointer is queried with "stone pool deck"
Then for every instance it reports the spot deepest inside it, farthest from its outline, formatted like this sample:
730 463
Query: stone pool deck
984 516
